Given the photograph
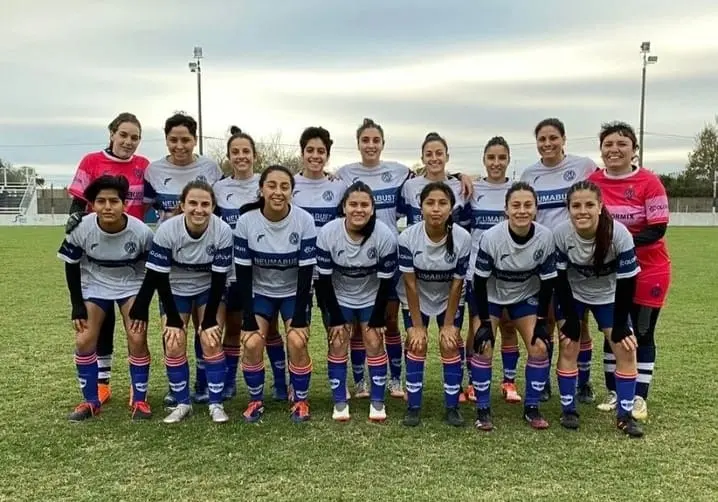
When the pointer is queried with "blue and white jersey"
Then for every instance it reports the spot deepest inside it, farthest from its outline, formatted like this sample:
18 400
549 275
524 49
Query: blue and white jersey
575 255
385 181
552 184
515 271
435 269
275 249
189 261
232 194
164 181
487 205
356 268
320 198
410 205
112 265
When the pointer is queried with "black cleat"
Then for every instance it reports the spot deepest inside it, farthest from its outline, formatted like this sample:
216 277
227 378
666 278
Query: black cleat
83 412
454 418
569 420
483 420
534 417
412 418
585 394
629 426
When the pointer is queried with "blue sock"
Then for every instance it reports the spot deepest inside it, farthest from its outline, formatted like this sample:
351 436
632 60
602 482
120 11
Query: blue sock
178 376
510 360
394 352
337 374
231 354
584 362
462 357
87 376
414 379
646 359
300 378
567 389
609 366
452 380
216 368
536 377
358 358
139 378
377 375
481 380
200 385
254 378
625 391
278 361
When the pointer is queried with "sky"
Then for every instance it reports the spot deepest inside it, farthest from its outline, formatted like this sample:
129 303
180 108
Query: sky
469 70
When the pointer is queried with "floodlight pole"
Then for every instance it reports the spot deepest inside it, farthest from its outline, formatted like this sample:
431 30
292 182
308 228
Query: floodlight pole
196 67
645 49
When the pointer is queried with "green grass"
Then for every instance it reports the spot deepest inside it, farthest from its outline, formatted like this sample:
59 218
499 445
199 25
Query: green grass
43 457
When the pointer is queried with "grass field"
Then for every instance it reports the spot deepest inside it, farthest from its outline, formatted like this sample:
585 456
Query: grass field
43 457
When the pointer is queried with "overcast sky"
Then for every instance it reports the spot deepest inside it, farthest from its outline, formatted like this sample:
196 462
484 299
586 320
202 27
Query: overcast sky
467 69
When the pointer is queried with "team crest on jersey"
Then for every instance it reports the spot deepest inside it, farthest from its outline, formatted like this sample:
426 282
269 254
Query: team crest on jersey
211 250
130 247
656 291
229 196
166 180
569 175
328 195
371 253
202 178
386 177
449 257
294 238
629 193
538 254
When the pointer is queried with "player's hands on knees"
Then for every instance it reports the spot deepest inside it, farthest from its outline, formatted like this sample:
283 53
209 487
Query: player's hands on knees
541 333
484 337
172 335
449 336
138 327
417 339
338 334
624 336
213 335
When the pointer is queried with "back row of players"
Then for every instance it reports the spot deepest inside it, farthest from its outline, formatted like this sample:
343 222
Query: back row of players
357 274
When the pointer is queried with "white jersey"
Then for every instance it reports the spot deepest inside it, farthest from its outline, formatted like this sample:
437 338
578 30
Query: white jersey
275 250
385 181
575 255
320 198
515 271
552 184
410 205
356 268
434 267
232 194
165 181
112 265
487 205
189 261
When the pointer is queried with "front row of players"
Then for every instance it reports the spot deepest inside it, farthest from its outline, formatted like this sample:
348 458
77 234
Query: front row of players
353 264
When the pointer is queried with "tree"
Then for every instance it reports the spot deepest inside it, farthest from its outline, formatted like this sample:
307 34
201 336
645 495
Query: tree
703 160
270 151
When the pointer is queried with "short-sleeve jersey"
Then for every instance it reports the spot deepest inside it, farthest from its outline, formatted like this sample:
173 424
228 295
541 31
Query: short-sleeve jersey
575 255
552 184
164 181
97 164
515 271
432 264
320 197
487 204
385 181
112 264
190 261
232 194
275 249
410 205
356 268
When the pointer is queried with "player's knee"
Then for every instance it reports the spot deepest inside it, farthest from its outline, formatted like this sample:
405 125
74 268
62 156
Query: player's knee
569 350
85 343
175 346
296 342
537 350
373 343
446 350
137 343
253 345
210 347
339 346
417 353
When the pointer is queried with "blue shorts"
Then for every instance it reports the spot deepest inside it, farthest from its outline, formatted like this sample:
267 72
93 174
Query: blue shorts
352 315
108 305
269 307
458 319
232 298
524 308
185 304
602 313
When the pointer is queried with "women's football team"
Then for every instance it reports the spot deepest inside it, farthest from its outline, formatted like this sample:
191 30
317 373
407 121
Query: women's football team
234 254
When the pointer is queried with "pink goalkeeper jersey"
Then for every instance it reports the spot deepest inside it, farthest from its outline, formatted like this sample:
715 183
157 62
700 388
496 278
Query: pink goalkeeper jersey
93 165
638 199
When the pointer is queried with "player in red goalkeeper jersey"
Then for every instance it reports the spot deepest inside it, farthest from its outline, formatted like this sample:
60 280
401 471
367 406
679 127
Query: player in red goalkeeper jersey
636 197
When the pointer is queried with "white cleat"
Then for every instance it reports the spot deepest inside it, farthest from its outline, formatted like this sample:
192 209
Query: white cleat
341 412
610 402
377 412
395 388
179 413
361 391
640 409
217 413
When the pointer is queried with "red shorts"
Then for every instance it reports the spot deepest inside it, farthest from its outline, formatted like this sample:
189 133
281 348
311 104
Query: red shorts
652 288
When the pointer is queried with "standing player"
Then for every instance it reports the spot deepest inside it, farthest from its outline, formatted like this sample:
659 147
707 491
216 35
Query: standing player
232 193
188 265
551 177
433 257
118 159
164 181
356 260
487 206
104 260
597 269
275 254
636 197
515 269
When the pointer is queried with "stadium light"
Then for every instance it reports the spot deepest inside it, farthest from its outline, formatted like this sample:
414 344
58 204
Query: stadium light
645 49
195 67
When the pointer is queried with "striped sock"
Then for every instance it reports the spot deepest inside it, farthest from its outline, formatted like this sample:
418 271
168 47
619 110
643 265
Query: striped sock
139 377
299 378
86 365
